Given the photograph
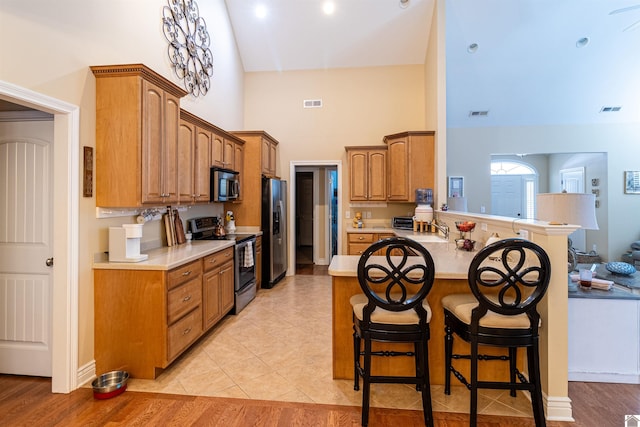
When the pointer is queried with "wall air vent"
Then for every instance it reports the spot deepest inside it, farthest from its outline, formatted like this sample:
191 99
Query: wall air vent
483 113
608 109
312 103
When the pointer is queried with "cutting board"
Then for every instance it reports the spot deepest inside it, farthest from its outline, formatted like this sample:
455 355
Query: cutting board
180 238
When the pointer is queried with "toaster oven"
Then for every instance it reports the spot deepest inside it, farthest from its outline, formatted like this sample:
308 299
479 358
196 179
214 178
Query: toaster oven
402 222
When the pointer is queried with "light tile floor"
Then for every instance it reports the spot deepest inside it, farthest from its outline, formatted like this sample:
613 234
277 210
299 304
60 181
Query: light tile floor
279 348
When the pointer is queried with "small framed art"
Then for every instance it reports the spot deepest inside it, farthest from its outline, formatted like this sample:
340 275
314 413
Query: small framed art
456 186
632 182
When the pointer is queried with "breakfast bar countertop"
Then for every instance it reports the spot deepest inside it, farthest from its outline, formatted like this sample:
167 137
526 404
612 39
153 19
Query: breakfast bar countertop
449 262
165 258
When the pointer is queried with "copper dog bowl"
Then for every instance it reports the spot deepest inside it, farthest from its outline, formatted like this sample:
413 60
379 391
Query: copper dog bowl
110 384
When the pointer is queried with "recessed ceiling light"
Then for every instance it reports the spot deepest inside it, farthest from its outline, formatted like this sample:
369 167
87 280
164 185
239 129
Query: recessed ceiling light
328 7
472 48
582 42
261 11
404 4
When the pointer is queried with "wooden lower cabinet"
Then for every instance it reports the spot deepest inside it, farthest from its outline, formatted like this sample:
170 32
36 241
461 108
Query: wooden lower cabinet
217 286
144 319
359 242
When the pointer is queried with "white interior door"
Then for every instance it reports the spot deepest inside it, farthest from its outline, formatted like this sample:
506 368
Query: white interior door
25 246
506 195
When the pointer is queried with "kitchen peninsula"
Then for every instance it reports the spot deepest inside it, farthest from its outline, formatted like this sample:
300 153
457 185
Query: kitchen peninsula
451 272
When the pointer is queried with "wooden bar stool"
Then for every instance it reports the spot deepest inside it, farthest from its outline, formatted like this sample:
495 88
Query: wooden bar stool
508 279
395 275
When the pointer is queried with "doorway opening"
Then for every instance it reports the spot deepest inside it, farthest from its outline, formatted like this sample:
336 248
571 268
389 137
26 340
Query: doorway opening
66 177
305 197
314 205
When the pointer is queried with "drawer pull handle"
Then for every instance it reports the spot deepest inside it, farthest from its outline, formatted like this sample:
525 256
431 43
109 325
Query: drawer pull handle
186 331
212 261
187 298
186 273
360 238
224 271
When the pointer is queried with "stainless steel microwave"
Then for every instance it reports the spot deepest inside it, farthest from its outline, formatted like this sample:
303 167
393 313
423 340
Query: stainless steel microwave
225 185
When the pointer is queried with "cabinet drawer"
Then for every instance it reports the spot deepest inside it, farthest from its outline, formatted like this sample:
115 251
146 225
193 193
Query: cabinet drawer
361 237
183 299
358 248
216 259
184 332
186 272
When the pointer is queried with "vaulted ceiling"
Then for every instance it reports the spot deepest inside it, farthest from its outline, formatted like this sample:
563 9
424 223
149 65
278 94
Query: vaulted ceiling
535 62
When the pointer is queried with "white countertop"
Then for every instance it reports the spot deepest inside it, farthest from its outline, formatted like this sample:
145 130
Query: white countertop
165 258
449 262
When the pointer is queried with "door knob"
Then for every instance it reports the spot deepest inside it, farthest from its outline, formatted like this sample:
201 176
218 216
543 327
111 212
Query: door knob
49 262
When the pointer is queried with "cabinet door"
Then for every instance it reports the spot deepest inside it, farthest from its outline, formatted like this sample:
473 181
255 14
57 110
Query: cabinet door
186 155
272 158
211 298
265 152
239 166
217 151
229 151
202 165
377 175
160 118
227 293
398 153
171 122
358 161
152 145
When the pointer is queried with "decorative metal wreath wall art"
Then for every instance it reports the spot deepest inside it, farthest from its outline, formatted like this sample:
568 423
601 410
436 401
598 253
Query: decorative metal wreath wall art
189 41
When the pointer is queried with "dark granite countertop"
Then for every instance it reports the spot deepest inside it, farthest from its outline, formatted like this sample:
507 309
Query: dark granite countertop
625 287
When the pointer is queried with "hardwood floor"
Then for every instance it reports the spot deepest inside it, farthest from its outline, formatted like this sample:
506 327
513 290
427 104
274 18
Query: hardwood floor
28 401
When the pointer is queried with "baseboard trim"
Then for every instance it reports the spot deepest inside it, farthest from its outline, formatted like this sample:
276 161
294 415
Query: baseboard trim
558 408
86 373
604 377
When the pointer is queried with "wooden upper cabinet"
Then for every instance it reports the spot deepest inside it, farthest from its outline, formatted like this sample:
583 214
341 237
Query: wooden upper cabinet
238 158
137 115
194 159
367 173
411 161
269 156
224 151
186 160
259 148
202 164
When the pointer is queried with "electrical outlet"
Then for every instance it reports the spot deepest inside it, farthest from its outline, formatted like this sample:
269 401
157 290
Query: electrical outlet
483 226
483 209
524 234
368 214
347 214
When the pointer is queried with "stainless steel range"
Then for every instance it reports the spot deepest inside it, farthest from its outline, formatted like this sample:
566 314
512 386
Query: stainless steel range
206 228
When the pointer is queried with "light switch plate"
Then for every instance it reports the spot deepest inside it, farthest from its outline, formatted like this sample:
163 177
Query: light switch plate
347 214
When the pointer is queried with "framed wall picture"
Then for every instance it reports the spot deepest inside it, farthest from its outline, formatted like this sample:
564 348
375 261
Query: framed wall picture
456 186
632 182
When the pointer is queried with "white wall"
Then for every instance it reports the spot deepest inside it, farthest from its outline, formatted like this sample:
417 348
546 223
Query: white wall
49 47
469 155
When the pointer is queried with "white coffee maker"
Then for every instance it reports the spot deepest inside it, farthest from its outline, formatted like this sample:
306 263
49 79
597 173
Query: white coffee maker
124 243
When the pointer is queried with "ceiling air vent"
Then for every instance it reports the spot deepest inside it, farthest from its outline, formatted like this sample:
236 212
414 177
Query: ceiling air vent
479 113
312 103
611 109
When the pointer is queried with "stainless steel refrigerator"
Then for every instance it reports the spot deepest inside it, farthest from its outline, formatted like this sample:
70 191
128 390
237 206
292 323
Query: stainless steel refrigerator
274 231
